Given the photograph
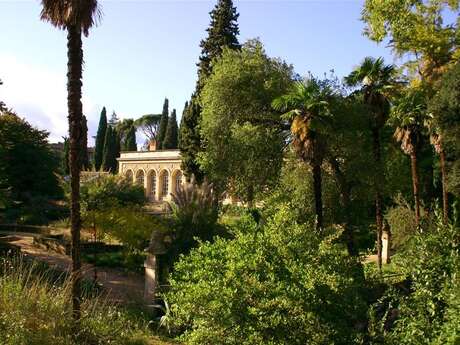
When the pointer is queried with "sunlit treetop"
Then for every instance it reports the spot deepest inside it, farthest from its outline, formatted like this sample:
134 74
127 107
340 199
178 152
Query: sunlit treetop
416 28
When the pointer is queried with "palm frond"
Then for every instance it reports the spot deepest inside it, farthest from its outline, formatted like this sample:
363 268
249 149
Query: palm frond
64 13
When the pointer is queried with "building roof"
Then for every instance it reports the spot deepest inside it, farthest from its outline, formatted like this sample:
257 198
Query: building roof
158 155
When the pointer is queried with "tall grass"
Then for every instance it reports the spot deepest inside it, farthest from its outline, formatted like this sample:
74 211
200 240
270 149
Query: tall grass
35 310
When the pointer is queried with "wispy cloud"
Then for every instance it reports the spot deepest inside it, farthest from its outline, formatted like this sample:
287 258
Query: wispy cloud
38 94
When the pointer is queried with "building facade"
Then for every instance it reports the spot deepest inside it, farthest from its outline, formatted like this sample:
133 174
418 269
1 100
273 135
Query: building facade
158 171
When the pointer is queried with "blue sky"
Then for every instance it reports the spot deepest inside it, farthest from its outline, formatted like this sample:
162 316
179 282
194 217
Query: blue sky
144 51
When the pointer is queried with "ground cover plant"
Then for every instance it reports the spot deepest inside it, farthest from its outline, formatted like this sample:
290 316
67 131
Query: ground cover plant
34 310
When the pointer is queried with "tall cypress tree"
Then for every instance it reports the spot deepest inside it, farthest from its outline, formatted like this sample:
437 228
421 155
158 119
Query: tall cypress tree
65 157
190 140
222 32
170 140
84 160
100 137
109 161
130 143
163 124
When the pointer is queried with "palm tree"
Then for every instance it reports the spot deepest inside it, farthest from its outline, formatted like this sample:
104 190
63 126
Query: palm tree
409 115
306 106
377 80
76 17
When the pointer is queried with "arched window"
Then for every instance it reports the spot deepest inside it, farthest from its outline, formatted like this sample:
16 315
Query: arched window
164 184
178 181
140 178
129 176
153 183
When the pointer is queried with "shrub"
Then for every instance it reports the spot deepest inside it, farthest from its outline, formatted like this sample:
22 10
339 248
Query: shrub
279 283
401 219
430 312
194 217
34 310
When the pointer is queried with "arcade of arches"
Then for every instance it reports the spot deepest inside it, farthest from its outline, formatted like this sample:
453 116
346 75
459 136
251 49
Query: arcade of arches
158 171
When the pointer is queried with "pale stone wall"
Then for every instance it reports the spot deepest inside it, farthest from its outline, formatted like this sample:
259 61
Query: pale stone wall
158 171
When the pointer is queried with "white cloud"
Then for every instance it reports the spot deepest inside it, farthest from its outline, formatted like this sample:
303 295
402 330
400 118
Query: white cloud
39 94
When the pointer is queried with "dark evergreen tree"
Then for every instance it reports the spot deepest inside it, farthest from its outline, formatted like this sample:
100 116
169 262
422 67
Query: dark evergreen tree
114 119
181 122
222 32
130 140
109 161
190 140
117 149
84 160
163 124
100 137
65 157
170 140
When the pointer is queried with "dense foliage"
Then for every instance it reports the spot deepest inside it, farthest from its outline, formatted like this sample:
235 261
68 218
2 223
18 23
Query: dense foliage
239 124
223 33
28 165
274 284
170 140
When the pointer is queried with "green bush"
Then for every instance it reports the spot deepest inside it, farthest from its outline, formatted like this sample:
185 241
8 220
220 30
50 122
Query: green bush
279 283
35 310
428 313
401 219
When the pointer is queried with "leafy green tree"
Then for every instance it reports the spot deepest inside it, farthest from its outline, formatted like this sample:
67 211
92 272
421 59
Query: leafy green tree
100 137
75 17
275 283
408 115
307 107
222 33
127 134
444 109
240 125
416 30
376 80
28 166
170 139
164 122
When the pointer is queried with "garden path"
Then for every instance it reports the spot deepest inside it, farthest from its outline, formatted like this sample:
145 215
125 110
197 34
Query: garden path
118 286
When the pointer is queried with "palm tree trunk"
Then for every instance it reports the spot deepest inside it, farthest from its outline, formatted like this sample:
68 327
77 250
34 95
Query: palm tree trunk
415 186
74 84
378 193
445 201
318 195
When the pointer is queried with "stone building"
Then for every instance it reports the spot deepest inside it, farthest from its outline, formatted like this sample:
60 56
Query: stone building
157 170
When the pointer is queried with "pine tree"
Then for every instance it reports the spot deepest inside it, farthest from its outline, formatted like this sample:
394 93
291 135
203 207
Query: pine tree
84 160
163 124
114 119
130 140
170 140
222 32
100 137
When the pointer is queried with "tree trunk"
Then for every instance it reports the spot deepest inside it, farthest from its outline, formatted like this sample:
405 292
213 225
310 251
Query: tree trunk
378 194
445 201
74 84
415 186
344 188
318 195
